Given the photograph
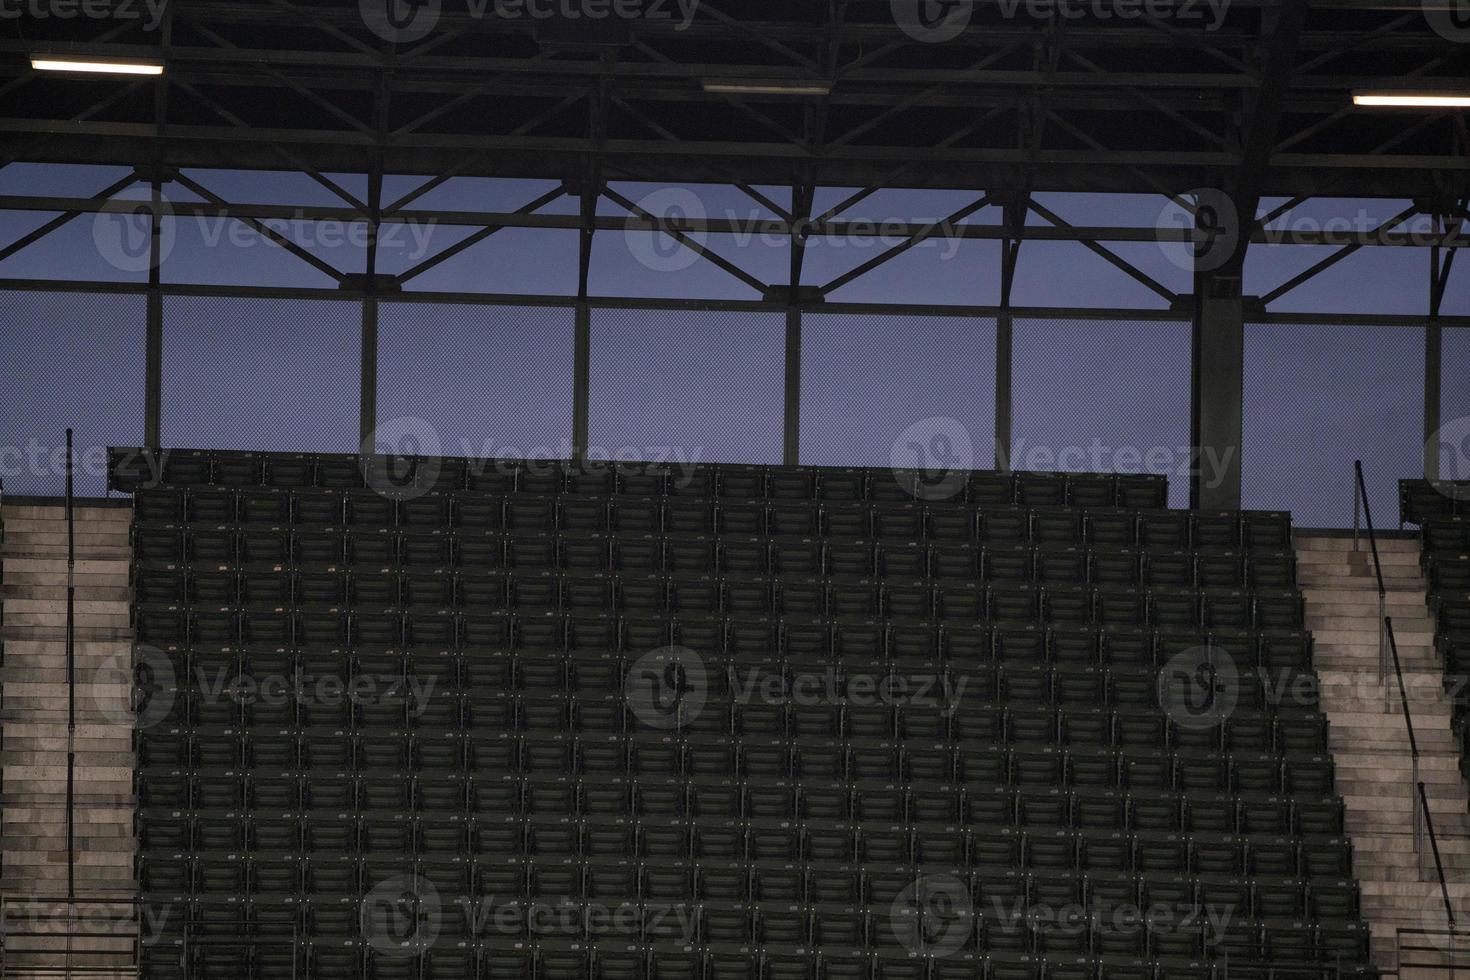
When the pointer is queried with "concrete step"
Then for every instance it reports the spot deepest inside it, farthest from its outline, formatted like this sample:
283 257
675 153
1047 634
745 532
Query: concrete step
1410 638
1421 687
1364 659
1306 541
1382 790
10 634
1359 821
1365 620
46 646
1399 558
1367 588
1378 759
1361 594
84 593
1397 604
53 565
13 551
33 762
44 513
49 534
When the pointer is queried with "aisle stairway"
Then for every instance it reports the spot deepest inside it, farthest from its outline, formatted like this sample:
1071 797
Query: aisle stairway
1370 745
34 729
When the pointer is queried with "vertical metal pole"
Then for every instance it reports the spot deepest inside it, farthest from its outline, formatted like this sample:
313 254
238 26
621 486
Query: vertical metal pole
153 370
1433 378
791 442
1433 359
368 376
367 397
1418 819
71 675
1004 402
1357 511
582 380
1219 358
1383 646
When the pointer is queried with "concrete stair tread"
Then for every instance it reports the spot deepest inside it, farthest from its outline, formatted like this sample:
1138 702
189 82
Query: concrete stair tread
33 761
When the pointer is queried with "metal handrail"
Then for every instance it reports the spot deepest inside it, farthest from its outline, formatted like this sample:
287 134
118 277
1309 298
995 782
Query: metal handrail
70 968
1398 672
1423 823
1360 501
1444 889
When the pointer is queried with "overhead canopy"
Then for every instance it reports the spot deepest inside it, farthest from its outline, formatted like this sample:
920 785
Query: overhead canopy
1027 95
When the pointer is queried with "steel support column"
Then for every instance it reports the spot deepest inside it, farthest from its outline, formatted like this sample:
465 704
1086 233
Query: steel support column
791 443
153 370
1433 373
368 376
1004 404
1219 372
581 380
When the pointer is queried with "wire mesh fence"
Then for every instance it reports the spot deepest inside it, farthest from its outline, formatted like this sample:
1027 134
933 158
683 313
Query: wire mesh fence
1103 396
690 386
272 375
885 390
1451 444
1318 397
476 381
72 359
898 391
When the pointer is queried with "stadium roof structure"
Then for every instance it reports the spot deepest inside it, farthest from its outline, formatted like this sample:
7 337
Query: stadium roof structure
1217 104
1026 95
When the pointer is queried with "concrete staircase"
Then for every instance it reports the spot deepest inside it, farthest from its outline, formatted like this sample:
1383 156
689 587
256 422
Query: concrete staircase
1370 745
43 936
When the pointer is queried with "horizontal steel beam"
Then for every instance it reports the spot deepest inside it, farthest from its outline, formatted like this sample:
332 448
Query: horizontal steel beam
1020 313
895 229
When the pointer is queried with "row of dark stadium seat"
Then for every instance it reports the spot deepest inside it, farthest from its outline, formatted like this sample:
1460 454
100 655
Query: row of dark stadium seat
1423 501
529 760
1074 929
1138 767
390 840
646 515
132 470
554 650
1296 730
965 606
559 798
1445 557
871 696
1013 858
216 574
944 596
1158 529
1128 750
1442 511
663 844
1340 947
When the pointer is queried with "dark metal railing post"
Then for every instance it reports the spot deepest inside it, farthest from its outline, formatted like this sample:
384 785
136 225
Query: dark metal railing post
1444 889
1357 505
1398 671
1377 571
1423 821
71 673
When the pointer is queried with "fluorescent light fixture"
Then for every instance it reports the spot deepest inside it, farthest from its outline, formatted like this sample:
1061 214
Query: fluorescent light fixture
1414 100
45 63
733 86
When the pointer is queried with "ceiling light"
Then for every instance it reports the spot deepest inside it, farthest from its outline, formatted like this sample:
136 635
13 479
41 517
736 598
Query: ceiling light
46 63
730 86
1414 100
